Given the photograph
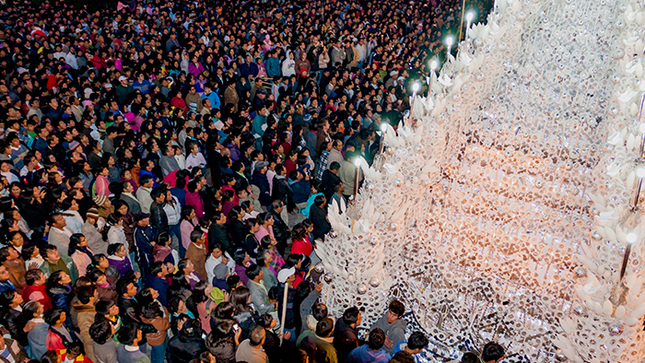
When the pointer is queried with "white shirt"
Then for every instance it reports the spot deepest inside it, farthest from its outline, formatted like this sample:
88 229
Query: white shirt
173 212
195 161
212 262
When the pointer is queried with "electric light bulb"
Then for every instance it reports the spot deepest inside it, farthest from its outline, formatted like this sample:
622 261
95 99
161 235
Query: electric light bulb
631 237
357 162
415 87
470 16
640 172
449 41
434 64
383 126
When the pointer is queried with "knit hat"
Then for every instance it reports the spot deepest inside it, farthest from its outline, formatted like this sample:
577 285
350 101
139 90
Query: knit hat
100 200
73 145
261 164
220 271
92 213
285 273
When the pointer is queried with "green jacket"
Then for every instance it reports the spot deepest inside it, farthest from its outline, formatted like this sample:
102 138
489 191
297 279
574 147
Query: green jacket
71 266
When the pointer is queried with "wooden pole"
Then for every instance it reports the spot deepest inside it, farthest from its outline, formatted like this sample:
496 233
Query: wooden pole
461 23
284 311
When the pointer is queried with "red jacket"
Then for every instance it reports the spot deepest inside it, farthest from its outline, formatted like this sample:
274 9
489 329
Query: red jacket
302 247
38 293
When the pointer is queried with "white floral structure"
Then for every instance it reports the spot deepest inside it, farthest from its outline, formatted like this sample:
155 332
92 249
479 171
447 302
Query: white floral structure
506 211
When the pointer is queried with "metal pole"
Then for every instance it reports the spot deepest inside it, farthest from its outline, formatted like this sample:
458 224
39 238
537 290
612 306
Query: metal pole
461 24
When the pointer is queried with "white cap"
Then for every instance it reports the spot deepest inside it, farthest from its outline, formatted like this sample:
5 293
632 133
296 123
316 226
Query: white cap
285 273
123 78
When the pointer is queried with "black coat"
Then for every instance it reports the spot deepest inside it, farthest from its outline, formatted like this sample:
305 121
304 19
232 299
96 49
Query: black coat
158 218
218 234
345 339
13 320
319 217
183 349
260 180
280 231
238 232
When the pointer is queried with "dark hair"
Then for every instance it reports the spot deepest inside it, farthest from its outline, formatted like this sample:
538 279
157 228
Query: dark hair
145 297
324 327
52 315
239 298
156 268
94 274
265 321
319 311
417 340
224 310
50 356
103 306
128 333
173 304
192 329
32 276
101 331
257 335
6 298
253 271
232 282
403 357
113 248
376 339
196 234
469 357
350 316
199 292
145 178
30 309
75 243
298 232
397 308
86 293
491 351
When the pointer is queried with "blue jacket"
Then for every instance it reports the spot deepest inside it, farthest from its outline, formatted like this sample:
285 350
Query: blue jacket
301 190
161 285
214 98
273 67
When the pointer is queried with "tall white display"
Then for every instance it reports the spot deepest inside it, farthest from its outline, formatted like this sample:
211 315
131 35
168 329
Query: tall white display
507 208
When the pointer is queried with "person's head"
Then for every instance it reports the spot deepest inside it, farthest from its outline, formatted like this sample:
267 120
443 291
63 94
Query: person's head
35 277
241 297
74 349
32 309
257 336
492 353
130 334
197 237
10 299
395 311
254 273
101 331
324 328
469 357
417 342
376 339
352 316
177 306
403 357
126 288
107 307
50 356
59 278
54 316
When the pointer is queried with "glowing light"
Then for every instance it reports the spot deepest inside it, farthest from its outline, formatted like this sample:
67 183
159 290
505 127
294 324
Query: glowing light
450 40
357 162
383 126
415 87
640 172
631 237
434 64
470 16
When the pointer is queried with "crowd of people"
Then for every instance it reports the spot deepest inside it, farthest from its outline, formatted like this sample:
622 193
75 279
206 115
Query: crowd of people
166 169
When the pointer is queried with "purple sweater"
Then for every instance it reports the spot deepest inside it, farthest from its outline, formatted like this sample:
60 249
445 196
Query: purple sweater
122 265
